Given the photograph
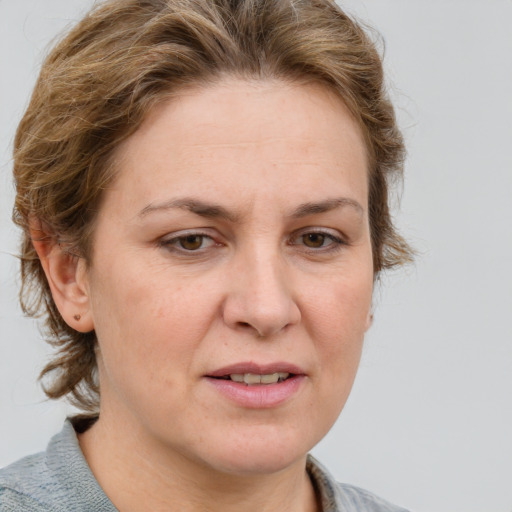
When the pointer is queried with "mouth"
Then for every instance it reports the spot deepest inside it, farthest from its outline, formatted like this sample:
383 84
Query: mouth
255 386
255 379
258 386
252 374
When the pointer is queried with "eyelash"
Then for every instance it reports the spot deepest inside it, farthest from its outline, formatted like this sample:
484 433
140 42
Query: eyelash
335 242
173 243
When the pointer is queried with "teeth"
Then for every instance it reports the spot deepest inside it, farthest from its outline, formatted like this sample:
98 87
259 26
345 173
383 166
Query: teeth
253 378
269 379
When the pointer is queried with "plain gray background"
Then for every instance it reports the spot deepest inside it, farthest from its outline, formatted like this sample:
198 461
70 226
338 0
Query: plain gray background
429 422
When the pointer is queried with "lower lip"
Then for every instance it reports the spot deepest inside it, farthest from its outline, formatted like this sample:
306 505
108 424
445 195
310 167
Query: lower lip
259 396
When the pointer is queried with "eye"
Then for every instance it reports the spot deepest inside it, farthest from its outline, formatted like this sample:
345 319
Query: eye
317 240
189 242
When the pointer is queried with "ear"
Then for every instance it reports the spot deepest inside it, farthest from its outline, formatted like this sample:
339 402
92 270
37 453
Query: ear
67 277
369 319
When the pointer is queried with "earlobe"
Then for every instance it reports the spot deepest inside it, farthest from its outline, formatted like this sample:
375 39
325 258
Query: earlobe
67 278
369 320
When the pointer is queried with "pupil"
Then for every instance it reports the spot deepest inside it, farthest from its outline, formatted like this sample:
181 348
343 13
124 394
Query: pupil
314 240
192 242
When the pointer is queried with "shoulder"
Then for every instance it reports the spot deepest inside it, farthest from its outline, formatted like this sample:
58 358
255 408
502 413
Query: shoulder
22 485
57 480
12 501
363 500
337 497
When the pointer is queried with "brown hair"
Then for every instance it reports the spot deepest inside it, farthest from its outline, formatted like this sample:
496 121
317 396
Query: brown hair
98 83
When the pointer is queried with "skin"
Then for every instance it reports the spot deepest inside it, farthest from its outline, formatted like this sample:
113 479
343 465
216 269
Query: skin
263 278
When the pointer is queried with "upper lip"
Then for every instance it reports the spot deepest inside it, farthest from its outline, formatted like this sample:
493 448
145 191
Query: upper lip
258 369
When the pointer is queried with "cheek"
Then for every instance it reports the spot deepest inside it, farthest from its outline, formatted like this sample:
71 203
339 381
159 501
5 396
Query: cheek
148 335
341 307
337 320
149 321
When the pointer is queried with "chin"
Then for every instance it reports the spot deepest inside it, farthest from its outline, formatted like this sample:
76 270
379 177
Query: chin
259 452
261 463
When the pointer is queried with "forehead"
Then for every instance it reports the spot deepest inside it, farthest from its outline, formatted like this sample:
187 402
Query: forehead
248 130
253 105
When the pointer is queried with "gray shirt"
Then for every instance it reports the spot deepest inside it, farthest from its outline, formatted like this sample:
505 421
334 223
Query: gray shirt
59 480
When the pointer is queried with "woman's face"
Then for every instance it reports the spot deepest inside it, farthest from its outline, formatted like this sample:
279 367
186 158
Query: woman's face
234 246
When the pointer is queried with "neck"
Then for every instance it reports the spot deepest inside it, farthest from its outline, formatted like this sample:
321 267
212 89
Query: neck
137 476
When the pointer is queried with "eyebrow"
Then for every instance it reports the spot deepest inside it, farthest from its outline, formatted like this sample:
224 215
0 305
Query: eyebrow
306 209
196 206
215 211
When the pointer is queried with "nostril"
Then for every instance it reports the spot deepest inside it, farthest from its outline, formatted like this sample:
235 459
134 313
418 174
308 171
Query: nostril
247 326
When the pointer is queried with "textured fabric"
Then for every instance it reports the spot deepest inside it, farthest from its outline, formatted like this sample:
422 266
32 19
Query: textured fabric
59 480
336 497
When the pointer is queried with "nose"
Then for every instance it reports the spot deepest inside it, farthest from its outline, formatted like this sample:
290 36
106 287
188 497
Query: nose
261 298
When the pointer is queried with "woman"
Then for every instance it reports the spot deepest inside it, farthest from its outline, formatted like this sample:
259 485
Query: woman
202 187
